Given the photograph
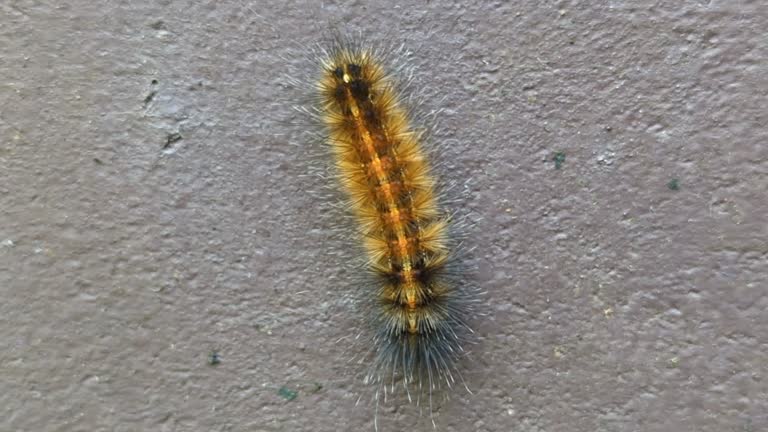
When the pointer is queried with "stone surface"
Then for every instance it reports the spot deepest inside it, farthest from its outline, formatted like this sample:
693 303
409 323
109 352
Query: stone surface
163 268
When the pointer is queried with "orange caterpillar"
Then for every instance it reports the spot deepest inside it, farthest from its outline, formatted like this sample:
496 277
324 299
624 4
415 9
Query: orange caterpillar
419 313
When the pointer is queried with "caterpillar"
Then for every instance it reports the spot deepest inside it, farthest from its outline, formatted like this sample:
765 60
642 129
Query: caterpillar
419 308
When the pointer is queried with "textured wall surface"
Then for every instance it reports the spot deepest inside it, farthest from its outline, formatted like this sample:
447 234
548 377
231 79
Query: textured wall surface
153 210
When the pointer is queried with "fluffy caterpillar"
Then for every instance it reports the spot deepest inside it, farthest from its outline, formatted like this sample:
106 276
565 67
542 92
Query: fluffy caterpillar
420 310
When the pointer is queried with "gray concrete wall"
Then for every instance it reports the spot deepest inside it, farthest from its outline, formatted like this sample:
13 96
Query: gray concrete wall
151 212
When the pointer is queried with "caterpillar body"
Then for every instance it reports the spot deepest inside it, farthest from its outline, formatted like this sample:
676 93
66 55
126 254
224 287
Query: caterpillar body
420 310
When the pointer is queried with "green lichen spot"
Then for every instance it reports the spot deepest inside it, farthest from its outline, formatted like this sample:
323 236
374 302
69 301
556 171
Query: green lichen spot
287 393
674 184
559 159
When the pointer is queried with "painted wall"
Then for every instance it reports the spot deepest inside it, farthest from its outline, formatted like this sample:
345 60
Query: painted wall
154 210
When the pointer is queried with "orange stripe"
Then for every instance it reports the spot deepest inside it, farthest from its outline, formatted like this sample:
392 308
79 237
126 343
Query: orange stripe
378 168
